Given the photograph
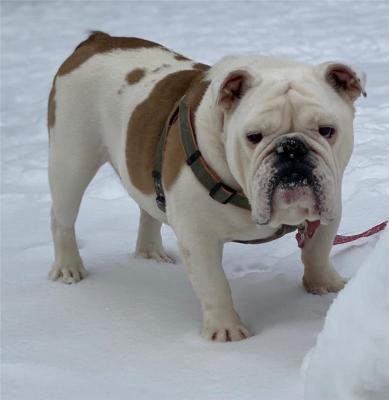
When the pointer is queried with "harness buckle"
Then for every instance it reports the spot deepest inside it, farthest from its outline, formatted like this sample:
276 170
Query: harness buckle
193 157
161 203
160 199
222 193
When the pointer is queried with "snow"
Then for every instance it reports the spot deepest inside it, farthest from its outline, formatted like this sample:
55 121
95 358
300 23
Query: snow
131 329
351 358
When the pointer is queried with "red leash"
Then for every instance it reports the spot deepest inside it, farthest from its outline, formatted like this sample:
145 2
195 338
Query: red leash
311 227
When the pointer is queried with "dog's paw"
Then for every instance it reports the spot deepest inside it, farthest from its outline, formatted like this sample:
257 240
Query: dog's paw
225 333
68 272
157 254
332 285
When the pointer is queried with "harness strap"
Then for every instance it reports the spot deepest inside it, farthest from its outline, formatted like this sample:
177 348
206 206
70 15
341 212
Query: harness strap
157 171
276 235
218 190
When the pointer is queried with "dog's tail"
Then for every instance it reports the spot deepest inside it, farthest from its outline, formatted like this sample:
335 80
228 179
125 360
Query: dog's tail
94 37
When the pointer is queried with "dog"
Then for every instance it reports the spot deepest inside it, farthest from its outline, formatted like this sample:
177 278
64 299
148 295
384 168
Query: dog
245 150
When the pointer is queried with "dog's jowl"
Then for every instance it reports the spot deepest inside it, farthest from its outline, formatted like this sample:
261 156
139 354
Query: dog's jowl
244 150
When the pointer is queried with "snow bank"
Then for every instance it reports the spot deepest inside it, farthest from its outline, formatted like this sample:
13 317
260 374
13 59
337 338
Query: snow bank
351 358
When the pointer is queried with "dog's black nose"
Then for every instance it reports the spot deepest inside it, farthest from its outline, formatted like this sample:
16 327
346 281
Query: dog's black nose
291 148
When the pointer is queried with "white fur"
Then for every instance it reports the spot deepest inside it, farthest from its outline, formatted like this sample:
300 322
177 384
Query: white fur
91 128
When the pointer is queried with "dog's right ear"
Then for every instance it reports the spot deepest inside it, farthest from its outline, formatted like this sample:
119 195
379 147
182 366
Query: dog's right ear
233 88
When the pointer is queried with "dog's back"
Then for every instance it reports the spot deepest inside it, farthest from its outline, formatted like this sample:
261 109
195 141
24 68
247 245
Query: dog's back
101 83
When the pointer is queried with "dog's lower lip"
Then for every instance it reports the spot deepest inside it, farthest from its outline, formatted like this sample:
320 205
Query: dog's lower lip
294 179
262 223
291 180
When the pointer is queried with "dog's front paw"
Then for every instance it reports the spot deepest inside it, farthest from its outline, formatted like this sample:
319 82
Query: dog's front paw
329 282
68 272
224 329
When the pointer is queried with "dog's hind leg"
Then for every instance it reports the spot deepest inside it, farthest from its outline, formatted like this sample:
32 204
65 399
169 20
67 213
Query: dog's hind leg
149 243
74 158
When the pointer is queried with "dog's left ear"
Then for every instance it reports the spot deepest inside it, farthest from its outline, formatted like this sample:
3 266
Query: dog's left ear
232 89
348 81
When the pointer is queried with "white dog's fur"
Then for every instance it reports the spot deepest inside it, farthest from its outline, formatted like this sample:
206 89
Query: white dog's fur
281 98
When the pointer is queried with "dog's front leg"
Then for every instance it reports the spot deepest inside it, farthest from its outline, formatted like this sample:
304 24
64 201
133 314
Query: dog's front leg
203 256
319 275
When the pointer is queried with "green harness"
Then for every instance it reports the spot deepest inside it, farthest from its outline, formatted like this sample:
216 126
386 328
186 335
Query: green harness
218 190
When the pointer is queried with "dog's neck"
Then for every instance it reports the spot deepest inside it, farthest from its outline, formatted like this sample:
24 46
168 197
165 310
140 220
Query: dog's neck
208 124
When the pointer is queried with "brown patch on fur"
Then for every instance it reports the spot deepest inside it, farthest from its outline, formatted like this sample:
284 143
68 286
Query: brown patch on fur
174 157
135 76
161 67
100 42
196 92
201 66
180 57
51 107
146 125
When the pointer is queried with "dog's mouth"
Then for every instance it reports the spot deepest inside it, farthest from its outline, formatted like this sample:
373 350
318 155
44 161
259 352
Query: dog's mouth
293 193
293 180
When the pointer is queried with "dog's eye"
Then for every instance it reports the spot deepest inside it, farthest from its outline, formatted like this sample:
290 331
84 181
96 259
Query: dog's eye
327 131
254 137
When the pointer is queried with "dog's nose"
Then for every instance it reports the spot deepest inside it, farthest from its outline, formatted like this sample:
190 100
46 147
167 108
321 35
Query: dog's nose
291 148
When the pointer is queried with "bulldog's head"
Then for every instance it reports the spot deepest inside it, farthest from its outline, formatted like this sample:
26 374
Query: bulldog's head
288 136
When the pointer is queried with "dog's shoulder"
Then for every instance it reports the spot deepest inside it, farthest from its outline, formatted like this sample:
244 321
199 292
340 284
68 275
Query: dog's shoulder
147 123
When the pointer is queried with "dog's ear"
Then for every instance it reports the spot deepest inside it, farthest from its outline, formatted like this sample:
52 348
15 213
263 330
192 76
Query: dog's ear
348 81
233 88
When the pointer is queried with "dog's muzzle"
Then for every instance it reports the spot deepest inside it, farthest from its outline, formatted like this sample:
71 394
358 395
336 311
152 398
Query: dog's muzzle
289 186
292 163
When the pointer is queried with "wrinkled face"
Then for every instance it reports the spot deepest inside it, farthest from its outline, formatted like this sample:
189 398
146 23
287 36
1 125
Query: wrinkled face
288 140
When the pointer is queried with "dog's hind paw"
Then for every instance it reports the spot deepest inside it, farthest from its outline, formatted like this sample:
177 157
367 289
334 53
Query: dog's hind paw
157 254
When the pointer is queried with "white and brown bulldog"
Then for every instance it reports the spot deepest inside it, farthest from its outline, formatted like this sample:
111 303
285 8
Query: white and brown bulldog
251 147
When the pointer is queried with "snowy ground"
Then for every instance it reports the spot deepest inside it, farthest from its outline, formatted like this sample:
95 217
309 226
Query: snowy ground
355 338
131 330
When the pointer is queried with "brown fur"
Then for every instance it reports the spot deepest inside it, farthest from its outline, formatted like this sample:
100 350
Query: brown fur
146 125
201 66
180 57
100 42
135 76
51 107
